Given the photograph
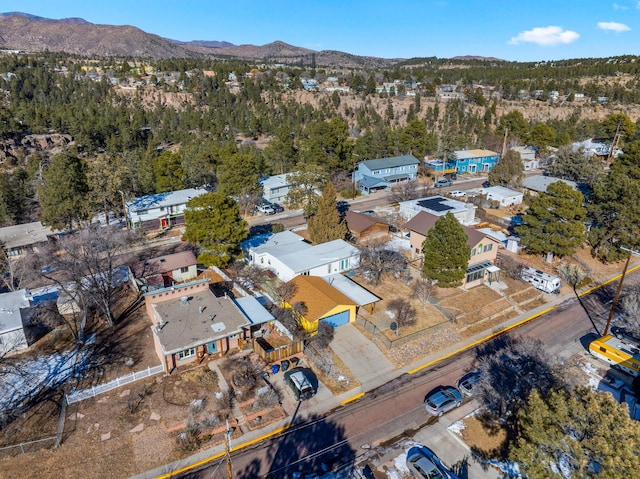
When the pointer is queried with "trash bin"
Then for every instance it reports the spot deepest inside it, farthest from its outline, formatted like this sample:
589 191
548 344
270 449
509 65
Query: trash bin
295 360
275 368
284 365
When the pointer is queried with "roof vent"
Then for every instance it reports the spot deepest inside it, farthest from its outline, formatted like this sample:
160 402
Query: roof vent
200 309
218 327
184 300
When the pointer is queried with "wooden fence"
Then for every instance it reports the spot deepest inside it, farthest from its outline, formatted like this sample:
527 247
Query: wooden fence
273 354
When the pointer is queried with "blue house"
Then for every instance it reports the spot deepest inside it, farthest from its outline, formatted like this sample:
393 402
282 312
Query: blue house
466 161
372 175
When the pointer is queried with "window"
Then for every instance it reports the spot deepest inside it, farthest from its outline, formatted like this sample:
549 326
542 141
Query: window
473 251
344 263
487 248
476 275
187 353
184 270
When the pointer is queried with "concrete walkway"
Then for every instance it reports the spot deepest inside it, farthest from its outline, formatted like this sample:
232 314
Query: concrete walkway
360 361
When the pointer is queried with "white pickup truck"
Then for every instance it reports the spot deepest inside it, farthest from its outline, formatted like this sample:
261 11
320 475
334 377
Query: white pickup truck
266 210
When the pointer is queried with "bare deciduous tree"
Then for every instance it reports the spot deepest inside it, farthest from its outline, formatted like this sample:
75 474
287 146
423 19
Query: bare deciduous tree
630 304
324 335
404 191
403 312
571 273
286 291
376 261
422 289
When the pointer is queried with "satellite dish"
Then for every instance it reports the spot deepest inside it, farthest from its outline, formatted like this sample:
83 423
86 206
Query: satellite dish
393 326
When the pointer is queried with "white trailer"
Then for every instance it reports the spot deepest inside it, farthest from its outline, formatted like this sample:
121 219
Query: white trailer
541 280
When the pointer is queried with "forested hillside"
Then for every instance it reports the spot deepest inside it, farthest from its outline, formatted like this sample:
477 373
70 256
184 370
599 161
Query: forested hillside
140 127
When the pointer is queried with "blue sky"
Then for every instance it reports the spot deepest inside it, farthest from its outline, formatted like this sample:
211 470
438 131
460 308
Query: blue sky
516 30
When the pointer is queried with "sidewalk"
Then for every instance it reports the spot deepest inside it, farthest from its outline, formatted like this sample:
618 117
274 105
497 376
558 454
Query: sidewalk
360 366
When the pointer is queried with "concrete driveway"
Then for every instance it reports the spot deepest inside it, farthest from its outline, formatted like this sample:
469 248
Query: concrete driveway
363 358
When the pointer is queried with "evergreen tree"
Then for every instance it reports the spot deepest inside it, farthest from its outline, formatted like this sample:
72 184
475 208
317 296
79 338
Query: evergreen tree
446 253
554 223
585 434
214 225
576 165
615 208
303 185
63 194
168 172
508 171
326 225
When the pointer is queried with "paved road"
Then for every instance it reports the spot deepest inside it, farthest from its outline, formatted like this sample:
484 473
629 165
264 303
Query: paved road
394 411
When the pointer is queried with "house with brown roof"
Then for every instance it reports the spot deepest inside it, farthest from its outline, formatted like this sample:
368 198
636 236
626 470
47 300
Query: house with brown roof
365 227
164 271
191 323
321 302
484 249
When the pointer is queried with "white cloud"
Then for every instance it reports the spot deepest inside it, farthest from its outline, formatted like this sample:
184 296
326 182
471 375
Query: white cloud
613 27
545 36
617 6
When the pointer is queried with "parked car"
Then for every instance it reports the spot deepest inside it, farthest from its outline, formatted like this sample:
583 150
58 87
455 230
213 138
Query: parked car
457 193
301 383
442 399
486 184
467 383
423 463
441 183
266 210
277 208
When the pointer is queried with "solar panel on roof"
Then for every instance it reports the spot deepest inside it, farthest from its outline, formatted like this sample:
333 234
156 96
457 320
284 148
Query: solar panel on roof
435 204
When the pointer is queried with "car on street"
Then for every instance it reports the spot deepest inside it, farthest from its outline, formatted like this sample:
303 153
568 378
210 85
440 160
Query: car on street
486 184
457 193
467 383
441 183
423 463
266 210
442 399
277 208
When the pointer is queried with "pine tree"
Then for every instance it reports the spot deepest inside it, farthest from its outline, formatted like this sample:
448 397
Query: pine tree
64 193
585 433
214 225
508 171
554 223
446 252
327 225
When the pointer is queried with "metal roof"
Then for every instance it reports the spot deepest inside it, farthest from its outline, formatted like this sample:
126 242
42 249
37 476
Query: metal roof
392 162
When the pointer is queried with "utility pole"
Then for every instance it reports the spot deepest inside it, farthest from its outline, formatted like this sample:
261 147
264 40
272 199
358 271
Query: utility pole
619 289
504 142
124 210
227 451
614 143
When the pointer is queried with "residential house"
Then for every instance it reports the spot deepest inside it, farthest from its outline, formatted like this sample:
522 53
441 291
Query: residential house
504 196
538 183
465 161
275 188
15 314
287 255
448 92
191 323
465 213
321 302
372 175
164 271
484 249
365 227
160 210
528 157
361 296
19 240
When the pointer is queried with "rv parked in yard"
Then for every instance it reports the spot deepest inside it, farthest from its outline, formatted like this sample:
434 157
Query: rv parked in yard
542 281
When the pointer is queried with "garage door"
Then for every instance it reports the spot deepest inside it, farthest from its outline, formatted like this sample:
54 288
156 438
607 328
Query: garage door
338 319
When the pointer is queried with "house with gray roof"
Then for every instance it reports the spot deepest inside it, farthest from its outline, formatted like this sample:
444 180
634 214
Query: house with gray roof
15 313
288 255
191 323
160 210
438 205
538 183
19 240
372 175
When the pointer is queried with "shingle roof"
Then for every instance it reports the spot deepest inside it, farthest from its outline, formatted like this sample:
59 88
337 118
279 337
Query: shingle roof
423 222
318 296
358 222
163 264
392 162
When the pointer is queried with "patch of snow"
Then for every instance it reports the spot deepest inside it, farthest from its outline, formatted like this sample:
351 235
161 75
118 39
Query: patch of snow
457 427
28 378
400 463
510 468
396 243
